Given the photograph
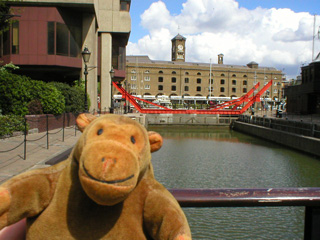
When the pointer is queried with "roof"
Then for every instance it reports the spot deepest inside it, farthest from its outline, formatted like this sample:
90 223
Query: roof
144 59
178 37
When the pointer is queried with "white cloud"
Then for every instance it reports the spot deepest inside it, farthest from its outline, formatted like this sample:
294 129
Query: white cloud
272 37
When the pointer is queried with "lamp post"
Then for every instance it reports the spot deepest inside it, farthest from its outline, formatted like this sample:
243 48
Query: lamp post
86 56
111 90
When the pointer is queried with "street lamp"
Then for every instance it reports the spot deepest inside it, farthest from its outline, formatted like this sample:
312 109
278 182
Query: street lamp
86 56
112 76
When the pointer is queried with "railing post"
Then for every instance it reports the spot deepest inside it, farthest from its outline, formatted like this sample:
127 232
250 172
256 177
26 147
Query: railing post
312 223
47 132
63 123
25 139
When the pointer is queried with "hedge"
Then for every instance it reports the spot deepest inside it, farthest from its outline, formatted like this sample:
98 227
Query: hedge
16 93
73 96
10 124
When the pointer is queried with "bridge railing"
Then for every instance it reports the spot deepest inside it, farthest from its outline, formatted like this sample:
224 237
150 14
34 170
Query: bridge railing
279 197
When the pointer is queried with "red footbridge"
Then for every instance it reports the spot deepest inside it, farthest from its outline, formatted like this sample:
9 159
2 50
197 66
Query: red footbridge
233 106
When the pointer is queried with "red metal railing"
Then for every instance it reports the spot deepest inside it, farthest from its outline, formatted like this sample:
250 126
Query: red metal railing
308 197
233 104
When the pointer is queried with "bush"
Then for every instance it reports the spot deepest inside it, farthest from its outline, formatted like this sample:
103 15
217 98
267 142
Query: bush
10 124
73 96
34 107
16 93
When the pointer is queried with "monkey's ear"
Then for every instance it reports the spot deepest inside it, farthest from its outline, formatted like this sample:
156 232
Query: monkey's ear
155 140
83 120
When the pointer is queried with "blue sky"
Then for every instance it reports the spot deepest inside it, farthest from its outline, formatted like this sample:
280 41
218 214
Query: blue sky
275 28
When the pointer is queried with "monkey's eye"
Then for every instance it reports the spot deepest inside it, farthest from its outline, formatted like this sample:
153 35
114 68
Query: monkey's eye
100 131
133 140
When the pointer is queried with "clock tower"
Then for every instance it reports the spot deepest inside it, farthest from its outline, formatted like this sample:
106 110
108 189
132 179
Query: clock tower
178 48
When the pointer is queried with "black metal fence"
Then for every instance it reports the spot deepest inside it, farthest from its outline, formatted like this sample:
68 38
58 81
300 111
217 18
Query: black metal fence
305 128
46 134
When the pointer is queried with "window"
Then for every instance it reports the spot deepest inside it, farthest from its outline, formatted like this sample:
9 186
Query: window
133 71
4 43
160 87
199 73
160 79
173 88
174 72
147 78
186 73
198 89
63 40
222 81
222 75
233 75
133 86
173 80
198 80
124 5
15 38
245 76
133 78
186 88
245 82
234 82
222 89
160 72
244 90
211 81
234 90
147 71
118 51
186 80
147 86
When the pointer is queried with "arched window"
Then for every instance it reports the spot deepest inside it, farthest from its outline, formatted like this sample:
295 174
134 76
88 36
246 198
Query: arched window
199 73
186 73
174 72
222 75
160 72
245 76
233 75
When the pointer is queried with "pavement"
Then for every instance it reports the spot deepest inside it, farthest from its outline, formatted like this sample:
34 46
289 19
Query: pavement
37 153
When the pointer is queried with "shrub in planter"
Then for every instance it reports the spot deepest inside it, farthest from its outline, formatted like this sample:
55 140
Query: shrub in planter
73 96
34 107
10 124
18 91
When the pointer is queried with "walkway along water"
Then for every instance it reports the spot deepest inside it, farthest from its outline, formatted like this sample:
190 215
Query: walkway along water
302 136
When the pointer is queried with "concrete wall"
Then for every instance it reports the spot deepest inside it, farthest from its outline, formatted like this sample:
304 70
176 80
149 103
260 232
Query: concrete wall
302 143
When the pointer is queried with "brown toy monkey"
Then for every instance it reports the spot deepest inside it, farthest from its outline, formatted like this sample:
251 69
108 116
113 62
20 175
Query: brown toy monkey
105 190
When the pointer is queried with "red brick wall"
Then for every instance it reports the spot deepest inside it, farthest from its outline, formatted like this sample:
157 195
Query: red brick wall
54 122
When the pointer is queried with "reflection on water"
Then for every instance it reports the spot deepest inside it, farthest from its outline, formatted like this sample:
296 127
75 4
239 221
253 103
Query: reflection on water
220 158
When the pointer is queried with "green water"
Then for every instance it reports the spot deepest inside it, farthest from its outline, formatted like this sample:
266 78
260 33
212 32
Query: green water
220 158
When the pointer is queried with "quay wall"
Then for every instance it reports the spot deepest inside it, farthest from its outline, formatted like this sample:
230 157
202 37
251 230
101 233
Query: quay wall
189 119
307 144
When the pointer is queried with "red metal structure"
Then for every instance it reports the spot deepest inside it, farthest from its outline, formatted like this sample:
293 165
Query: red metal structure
233 105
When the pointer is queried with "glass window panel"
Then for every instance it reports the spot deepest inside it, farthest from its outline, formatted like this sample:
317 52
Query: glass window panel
6 43
15 37
50 38
75 41
62 39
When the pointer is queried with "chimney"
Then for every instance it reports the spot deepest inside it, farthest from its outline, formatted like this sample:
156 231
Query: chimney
220 58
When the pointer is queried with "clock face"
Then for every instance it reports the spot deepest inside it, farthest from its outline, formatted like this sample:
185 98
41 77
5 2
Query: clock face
180 47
